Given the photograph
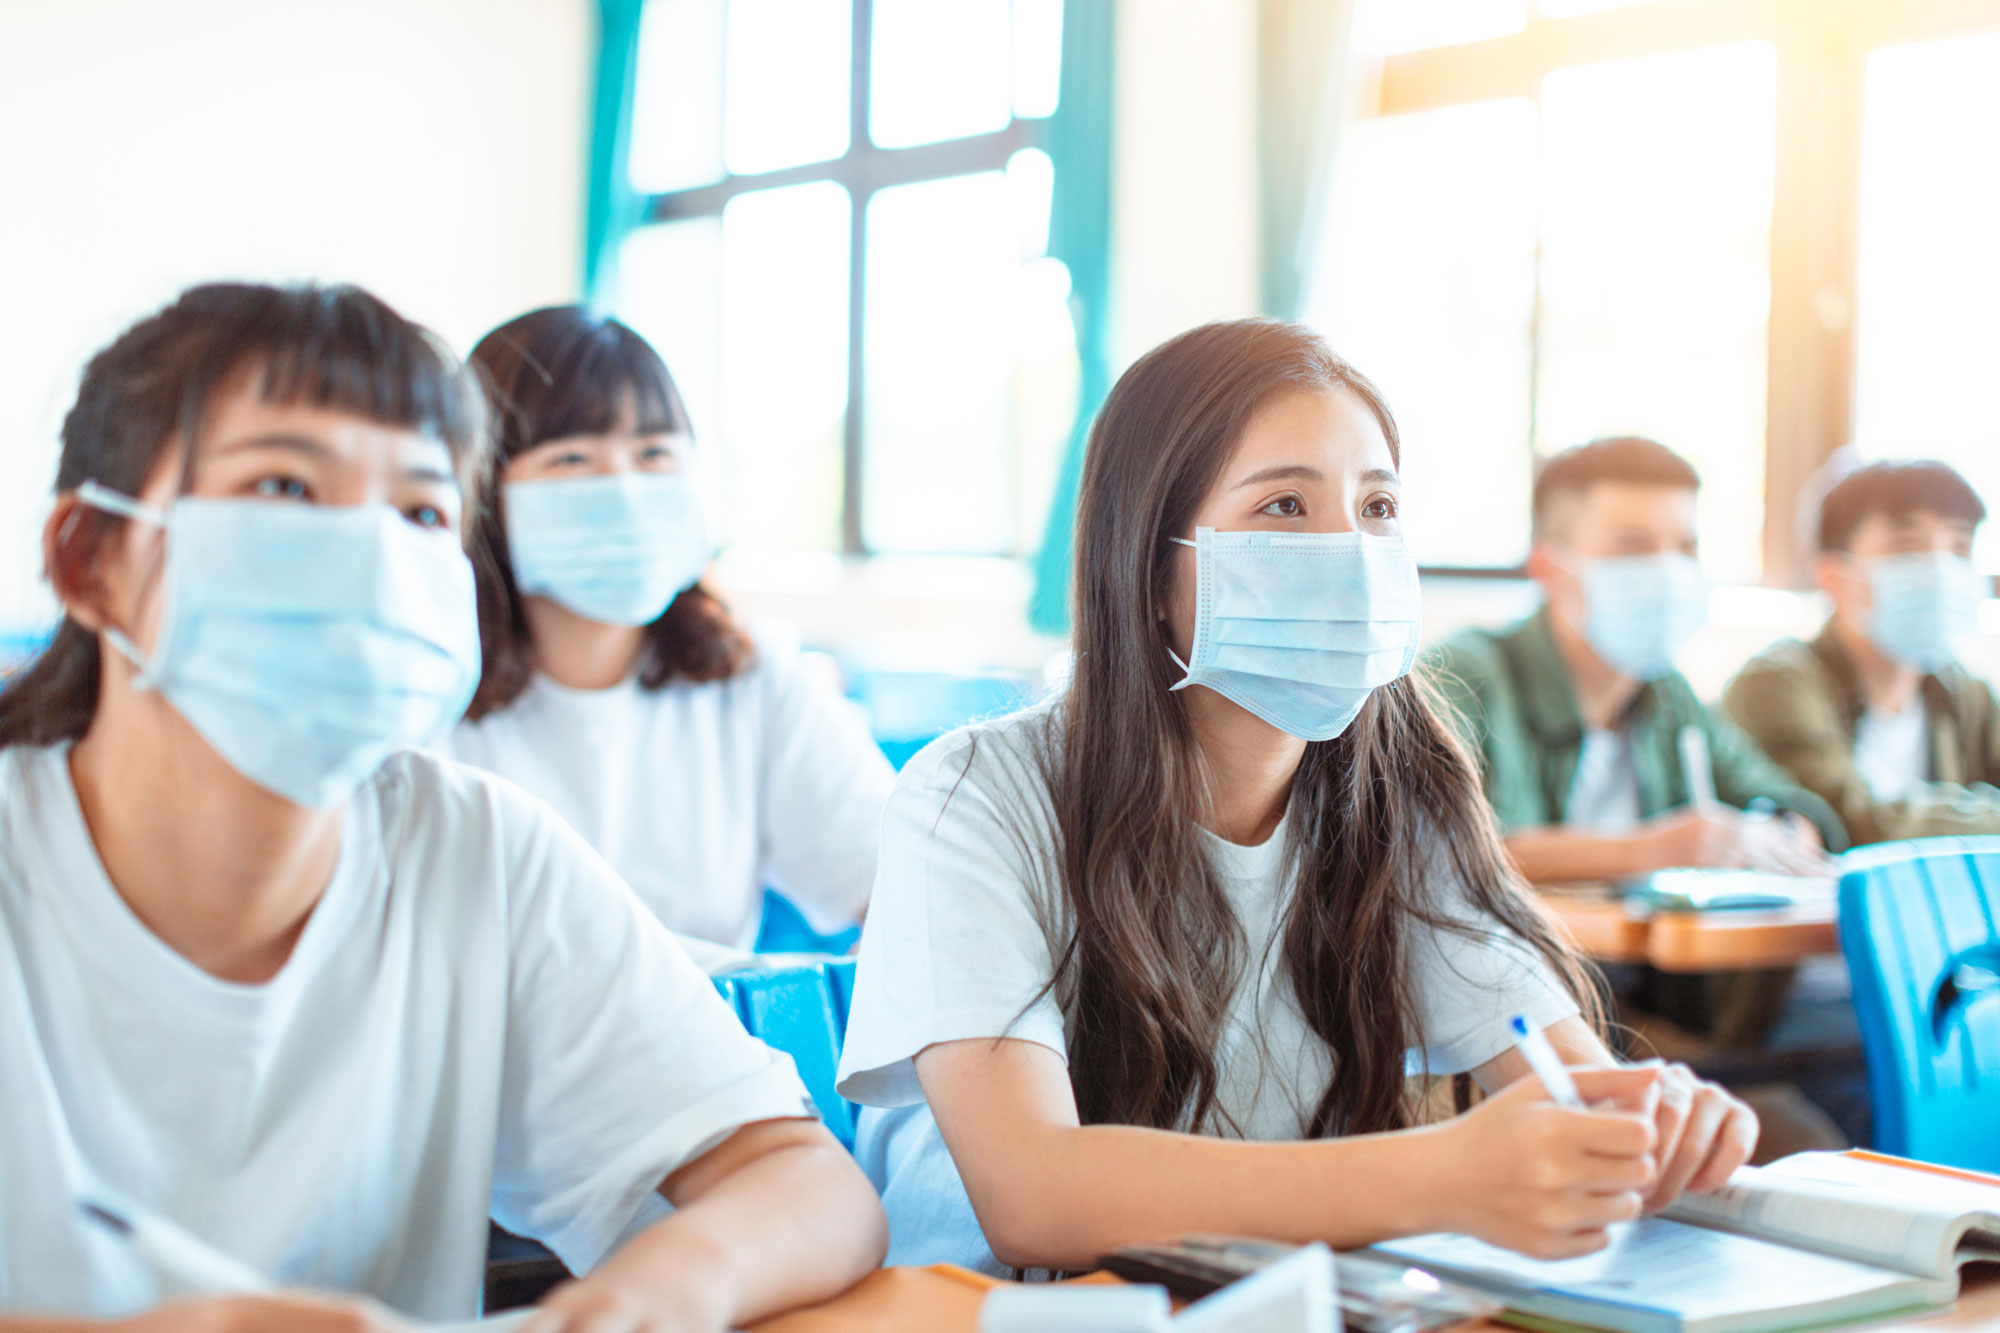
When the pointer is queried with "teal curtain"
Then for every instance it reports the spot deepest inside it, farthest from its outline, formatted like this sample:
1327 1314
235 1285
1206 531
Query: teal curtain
1301 103
1080 236
613 208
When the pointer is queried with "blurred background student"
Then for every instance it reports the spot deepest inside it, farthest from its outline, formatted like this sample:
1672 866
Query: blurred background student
702 762
1875 713
1600 760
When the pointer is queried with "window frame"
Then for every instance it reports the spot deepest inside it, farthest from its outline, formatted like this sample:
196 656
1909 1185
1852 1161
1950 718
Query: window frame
1822 49
864 169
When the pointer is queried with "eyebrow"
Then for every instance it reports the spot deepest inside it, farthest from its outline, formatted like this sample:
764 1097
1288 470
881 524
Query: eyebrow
1299 472
308 447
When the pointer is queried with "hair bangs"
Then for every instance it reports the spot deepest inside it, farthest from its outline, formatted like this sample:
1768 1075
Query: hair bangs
605 368
341 349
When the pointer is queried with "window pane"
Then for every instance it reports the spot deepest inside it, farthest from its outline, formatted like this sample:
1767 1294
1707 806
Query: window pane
940 70
1428 285
970 377
1927 343
1037 56
784 363
1655 272
1383 27
670 290
789 71
677 98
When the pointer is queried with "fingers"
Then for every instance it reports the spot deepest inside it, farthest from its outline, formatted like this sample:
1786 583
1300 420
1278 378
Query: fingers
1698 1136
1733 1146
1677 1097
1632 1088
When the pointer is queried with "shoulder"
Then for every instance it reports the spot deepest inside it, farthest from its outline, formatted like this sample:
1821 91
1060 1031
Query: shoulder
449 817
1785 679
984 783
1471 664
1011 754
1788 660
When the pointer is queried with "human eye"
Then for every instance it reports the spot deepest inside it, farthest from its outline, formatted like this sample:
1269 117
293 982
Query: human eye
427 516
1285 506
1383 508
276 486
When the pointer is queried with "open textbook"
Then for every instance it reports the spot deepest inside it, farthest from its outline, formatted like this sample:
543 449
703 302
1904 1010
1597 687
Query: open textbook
1816 1238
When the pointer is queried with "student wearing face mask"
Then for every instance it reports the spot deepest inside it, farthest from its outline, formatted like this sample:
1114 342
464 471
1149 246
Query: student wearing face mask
704 763
1580 721
313 995
1875 713
1158 956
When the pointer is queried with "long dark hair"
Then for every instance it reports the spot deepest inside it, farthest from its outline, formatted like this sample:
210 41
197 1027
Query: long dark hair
564 371
1378 816
149 393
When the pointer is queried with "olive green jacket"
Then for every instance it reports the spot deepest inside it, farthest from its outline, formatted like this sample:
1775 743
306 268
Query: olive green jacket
1515 708
1802 703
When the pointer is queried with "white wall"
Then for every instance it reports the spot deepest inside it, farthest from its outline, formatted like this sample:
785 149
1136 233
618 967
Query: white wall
1184 185
432 150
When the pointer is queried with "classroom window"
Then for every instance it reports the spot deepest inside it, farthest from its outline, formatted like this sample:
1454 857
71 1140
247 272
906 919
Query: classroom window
1561 219
845 262
1928 340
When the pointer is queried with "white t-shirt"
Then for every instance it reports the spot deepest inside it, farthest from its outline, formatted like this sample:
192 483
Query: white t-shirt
701 795
1604 794
477 1017
955 948
1892 751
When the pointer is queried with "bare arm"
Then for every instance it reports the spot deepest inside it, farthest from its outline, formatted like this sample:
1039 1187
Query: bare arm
776 1217
1684 837
1053 1193
1553 854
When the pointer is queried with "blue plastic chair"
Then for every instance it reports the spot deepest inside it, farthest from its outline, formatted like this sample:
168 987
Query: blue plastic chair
790 1005
783 928
1920 925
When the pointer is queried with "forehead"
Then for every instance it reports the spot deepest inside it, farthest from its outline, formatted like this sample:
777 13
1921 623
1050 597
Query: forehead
1624 504
1884 525
239 415
1331 429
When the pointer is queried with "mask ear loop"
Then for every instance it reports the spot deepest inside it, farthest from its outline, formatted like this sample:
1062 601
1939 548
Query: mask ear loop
1186 671
123 506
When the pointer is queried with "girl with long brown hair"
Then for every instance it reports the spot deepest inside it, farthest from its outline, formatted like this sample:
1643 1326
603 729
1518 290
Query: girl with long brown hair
273 972
703 762
1159 956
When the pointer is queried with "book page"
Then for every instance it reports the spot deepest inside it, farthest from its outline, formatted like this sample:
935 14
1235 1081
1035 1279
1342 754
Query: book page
1854 1209
1685 1275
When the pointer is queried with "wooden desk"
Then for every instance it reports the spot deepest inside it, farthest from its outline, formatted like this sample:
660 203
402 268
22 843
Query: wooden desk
1603 927
925 1300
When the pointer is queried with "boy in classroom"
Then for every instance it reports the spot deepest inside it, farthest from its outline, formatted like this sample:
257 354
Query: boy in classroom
1875 714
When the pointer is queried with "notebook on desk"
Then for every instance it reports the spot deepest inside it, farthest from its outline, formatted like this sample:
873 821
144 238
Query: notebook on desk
1814 1239
1721 890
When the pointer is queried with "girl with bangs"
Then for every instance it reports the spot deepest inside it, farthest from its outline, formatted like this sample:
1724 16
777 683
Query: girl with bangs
273 973
1157 957
703 762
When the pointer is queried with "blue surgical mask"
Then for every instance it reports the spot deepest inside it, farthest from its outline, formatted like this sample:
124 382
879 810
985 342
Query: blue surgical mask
306 643
1301 627
616 549
1640 610
1924 603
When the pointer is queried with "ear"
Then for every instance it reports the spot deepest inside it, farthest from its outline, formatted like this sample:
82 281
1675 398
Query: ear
72 541
1831 574
1541 564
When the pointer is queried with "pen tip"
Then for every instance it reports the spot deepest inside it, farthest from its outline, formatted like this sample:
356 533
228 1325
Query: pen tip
104 1216
1519 1024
